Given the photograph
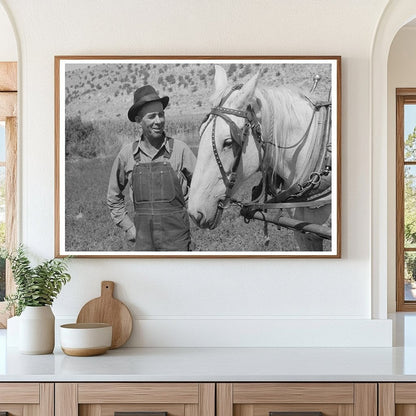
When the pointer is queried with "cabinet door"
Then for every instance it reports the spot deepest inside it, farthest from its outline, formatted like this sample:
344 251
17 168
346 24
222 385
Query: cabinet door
297 399
26 399
397 399
143 399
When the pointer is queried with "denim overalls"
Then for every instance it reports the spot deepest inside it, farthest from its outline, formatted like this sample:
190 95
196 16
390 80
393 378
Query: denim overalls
161 219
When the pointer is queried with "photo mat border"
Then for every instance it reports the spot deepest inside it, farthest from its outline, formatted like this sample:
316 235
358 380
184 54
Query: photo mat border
59 163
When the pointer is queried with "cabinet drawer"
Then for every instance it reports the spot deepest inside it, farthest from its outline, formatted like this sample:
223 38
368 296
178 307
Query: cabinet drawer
270 399
21 399
138 393
107 399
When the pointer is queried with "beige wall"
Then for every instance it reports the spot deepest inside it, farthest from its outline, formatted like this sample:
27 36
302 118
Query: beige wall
206 301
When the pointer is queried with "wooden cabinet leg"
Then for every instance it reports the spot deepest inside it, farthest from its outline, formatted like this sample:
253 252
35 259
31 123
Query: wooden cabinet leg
66 399
207 399
224 399
386 399
365 395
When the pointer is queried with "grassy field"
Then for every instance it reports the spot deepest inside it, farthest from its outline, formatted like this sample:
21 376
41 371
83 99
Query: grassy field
89 226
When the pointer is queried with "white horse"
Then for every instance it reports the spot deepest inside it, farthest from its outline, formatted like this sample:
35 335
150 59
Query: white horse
290 147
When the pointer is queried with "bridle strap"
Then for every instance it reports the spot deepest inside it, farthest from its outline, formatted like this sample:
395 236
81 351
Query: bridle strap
234 129
232 111
217 156
239 137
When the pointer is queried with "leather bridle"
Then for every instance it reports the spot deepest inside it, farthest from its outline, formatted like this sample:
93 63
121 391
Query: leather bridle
239 137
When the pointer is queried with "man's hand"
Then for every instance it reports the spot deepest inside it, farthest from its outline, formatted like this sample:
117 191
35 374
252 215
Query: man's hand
131 234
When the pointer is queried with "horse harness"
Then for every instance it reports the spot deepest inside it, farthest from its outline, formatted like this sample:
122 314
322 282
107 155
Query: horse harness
239 137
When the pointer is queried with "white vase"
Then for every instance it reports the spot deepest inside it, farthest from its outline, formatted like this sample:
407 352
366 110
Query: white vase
12 333
37 330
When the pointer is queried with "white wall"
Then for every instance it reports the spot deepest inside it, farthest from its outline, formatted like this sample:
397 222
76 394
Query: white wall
8 46
401 74
212 301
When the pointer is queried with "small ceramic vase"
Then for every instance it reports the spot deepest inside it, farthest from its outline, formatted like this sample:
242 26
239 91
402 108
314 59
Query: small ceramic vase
12 334
37 330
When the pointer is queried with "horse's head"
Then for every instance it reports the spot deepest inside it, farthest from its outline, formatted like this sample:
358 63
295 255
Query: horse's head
228 153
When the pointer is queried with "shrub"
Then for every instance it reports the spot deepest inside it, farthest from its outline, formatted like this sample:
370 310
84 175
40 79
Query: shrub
232 68
81 139
171 79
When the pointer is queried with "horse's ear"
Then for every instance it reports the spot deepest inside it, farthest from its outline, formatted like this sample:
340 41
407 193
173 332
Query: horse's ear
246 93
220 85
220 79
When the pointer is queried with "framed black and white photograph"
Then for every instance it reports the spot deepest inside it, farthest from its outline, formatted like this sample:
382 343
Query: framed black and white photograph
198 156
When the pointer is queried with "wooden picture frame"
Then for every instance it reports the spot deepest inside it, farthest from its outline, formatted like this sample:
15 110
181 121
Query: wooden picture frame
297 187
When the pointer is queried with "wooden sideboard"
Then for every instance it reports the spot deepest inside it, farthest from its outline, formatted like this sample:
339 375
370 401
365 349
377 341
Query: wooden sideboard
208 399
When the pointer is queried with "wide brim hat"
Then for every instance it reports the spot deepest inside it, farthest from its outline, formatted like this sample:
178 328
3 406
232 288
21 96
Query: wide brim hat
142 96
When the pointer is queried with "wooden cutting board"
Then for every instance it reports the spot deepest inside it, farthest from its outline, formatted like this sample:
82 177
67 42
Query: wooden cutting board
108 310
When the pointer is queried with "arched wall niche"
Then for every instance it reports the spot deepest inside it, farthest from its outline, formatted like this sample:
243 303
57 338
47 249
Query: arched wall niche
9 50
396 15
401 74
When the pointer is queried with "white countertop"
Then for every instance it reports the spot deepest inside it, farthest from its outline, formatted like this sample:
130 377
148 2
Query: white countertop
222 364
215 364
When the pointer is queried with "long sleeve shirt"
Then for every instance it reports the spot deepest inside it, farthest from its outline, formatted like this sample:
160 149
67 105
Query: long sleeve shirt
181 159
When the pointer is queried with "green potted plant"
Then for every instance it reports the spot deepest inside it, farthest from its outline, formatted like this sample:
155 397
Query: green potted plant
36 289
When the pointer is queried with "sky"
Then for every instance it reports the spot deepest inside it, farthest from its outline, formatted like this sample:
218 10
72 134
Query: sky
409 119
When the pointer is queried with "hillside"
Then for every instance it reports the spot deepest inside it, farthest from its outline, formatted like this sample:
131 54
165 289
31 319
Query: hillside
104 91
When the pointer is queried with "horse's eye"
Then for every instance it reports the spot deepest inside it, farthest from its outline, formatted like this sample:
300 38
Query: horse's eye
228 143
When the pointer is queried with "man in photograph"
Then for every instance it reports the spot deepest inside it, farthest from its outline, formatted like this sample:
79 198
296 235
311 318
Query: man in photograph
157 170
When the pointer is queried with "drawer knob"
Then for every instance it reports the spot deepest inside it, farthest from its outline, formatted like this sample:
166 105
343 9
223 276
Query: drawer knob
295 413
140 414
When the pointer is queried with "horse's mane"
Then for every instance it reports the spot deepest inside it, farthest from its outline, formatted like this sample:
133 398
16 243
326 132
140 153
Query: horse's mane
285 116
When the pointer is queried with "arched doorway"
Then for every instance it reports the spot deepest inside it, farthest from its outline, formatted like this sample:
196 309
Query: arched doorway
395 16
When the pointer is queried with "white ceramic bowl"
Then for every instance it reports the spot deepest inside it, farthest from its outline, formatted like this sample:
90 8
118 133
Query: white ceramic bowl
85 339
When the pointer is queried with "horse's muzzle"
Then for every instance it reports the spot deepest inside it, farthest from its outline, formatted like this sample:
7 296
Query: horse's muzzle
201 221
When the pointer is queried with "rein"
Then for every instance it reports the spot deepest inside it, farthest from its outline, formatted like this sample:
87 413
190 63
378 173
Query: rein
304 136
